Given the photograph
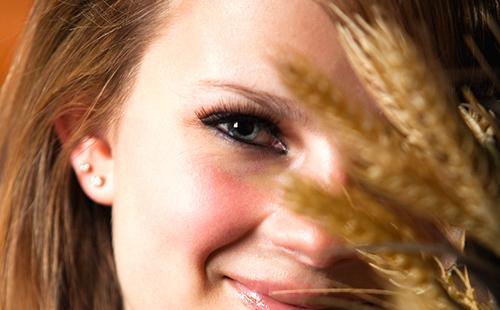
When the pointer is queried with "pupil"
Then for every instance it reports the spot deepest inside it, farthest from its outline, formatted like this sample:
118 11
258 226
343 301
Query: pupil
244 128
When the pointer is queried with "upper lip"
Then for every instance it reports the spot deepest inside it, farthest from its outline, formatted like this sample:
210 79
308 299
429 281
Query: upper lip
302 299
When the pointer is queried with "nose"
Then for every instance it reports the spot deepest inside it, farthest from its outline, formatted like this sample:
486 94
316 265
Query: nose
319 161
303 239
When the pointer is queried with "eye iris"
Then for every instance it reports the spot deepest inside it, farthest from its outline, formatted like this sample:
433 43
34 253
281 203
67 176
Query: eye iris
246 129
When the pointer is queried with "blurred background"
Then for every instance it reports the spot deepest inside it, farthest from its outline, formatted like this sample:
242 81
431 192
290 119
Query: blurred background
13 14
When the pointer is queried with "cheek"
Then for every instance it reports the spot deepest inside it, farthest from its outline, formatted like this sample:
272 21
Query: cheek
226 206
166 227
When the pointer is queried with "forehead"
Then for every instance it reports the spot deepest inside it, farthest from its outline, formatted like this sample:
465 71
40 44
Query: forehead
232 41
250 28
253 16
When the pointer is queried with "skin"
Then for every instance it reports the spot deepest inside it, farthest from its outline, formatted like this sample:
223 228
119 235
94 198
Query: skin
191 207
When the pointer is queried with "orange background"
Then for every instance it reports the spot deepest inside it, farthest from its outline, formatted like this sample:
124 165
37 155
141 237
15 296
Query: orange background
13 14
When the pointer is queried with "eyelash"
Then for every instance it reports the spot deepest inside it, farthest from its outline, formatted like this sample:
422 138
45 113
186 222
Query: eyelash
225 111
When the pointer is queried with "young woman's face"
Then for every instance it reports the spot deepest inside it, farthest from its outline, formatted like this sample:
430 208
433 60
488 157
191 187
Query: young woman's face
199 219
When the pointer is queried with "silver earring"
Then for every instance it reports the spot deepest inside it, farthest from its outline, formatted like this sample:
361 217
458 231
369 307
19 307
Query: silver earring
84 167
97 181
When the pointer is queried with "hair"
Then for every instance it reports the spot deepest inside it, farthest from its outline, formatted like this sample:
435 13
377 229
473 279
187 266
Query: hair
443 26
80 58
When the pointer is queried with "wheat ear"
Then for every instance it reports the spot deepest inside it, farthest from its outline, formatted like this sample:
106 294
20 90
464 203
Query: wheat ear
416 98
376 153
481 122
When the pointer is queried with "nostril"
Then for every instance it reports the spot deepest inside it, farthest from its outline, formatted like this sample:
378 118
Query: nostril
303 239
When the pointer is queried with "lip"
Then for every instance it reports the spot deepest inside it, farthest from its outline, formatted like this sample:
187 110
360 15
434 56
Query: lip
254 295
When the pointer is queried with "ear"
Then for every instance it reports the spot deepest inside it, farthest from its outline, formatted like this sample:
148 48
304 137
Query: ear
92 161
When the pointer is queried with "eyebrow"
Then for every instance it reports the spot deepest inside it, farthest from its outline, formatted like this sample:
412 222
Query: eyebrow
283 107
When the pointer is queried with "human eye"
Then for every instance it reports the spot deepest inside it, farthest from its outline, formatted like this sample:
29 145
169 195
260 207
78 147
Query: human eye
246 124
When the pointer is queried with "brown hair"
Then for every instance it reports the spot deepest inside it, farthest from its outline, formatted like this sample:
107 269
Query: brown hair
447 23
80 57
76 57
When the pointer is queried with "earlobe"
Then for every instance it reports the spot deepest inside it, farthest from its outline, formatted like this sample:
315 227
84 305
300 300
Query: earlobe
92 162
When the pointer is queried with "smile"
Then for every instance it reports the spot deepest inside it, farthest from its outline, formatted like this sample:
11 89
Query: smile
258 295
255 300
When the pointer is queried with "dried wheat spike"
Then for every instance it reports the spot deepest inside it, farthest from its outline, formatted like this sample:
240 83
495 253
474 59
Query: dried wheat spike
315 89
366 222
356 128
481 128
481 122
376 155
459 287
408 301
411 190
416 98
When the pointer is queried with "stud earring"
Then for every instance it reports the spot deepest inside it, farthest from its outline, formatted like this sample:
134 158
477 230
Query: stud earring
97 181
84 167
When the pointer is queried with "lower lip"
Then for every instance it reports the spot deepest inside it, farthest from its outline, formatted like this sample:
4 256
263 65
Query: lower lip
258 301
